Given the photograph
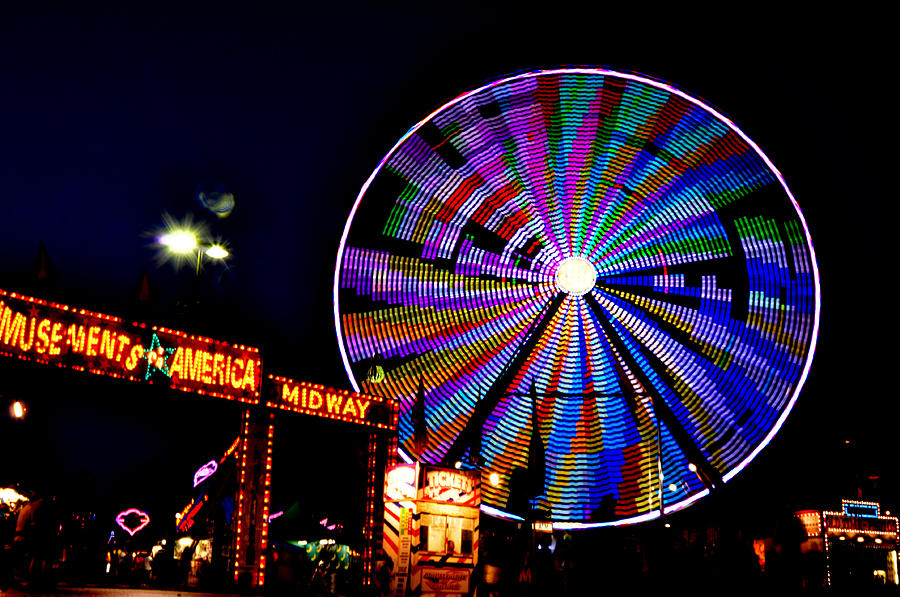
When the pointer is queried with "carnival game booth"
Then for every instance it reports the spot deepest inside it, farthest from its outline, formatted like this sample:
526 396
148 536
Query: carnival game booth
859 542
431 524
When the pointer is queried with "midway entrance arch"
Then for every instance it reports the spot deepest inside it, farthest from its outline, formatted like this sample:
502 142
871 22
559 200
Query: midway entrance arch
60 335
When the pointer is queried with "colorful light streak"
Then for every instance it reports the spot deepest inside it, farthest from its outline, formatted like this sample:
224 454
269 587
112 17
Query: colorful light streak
706 298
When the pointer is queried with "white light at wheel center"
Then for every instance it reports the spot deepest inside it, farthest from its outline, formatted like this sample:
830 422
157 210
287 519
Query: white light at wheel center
576 275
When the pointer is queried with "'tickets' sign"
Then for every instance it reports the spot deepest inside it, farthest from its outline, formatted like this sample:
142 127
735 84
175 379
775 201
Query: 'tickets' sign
459 487
56 334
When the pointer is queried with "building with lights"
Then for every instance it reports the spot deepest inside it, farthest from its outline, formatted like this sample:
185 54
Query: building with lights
431 528
859 543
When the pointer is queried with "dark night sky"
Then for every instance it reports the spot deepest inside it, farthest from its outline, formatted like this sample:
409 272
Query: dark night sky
111 116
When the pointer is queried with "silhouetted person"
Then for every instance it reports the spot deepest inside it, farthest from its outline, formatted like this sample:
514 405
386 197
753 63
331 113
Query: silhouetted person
7 534
37 534
784 562
383 570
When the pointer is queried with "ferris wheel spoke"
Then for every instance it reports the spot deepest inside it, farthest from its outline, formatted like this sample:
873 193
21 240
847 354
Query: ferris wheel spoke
495 393
682 438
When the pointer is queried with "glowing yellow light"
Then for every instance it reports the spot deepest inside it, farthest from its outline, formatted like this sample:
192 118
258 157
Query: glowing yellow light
375 374
860 539
576 275
9 495
673 487
495 479
180 242
18 409
692 467
217 252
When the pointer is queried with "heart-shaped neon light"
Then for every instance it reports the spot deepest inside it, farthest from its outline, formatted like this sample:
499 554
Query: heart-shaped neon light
142 516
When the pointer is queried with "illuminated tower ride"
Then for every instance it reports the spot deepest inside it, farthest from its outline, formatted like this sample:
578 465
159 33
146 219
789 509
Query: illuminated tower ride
618 245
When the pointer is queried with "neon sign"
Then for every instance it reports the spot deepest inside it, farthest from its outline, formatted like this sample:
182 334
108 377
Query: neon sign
184 520
861 508
861 517
837 524
400 482
330 403
205 472
129 514
57 334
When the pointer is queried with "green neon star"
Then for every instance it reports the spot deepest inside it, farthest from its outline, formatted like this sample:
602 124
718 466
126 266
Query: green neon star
157 357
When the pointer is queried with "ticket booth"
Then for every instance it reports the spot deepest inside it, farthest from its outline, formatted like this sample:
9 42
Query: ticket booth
431 528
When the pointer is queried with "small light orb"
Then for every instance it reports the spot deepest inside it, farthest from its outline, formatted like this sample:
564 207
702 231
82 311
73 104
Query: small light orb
576 275
18 409
495 479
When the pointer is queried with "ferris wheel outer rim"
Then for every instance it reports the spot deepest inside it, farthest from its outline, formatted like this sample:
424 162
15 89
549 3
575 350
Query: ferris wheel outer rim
776 427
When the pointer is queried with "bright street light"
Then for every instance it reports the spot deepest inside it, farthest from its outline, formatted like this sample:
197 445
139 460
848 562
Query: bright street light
187 241
180 242
216 252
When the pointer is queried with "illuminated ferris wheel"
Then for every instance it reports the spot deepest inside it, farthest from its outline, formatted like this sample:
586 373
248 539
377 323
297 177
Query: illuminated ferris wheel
594 257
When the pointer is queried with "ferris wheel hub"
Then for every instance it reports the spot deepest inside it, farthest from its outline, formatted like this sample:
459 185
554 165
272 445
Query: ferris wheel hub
576 275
